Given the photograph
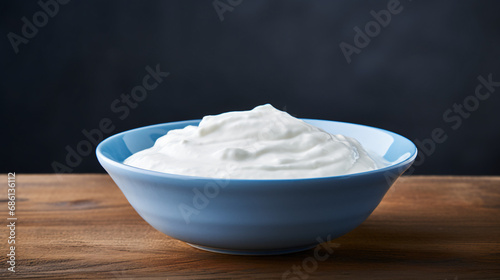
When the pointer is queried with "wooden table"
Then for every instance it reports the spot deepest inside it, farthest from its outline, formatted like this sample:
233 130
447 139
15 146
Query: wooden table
81 226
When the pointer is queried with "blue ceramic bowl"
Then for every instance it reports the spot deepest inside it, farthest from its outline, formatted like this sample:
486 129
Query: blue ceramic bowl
239 216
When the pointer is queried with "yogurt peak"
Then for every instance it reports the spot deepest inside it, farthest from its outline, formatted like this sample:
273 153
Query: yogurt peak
263 143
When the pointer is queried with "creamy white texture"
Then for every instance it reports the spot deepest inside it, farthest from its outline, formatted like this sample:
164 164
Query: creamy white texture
263 143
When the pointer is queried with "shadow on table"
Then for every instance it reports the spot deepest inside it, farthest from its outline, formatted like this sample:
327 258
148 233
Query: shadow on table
369 245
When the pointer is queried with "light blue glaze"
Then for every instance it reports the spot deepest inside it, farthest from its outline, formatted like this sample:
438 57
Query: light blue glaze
255 216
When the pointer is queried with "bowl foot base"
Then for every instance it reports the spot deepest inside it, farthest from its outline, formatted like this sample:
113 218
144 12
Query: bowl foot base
253 252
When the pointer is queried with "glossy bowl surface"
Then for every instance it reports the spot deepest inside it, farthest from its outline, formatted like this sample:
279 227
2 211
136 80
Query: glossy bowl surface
238 216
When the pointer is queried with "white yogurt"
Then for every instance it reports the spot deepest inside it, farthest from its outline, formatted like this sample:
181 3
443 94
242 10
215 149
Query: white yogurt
263 143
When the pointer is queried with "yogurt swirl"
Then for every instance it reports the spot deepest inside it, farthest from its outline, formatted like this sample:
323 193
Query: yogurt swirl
263 143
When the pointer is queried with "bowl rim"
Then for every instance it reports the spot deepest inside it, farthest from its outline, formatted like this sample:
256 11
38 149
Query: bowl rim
120 165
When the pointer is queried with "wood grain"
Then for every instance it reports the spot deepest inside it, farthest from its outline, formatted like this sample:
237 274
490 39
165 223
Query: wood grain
81 226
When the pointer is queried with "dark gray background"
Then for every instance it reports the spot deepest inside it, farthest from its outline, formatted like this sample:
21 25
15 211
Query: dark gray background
281 52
